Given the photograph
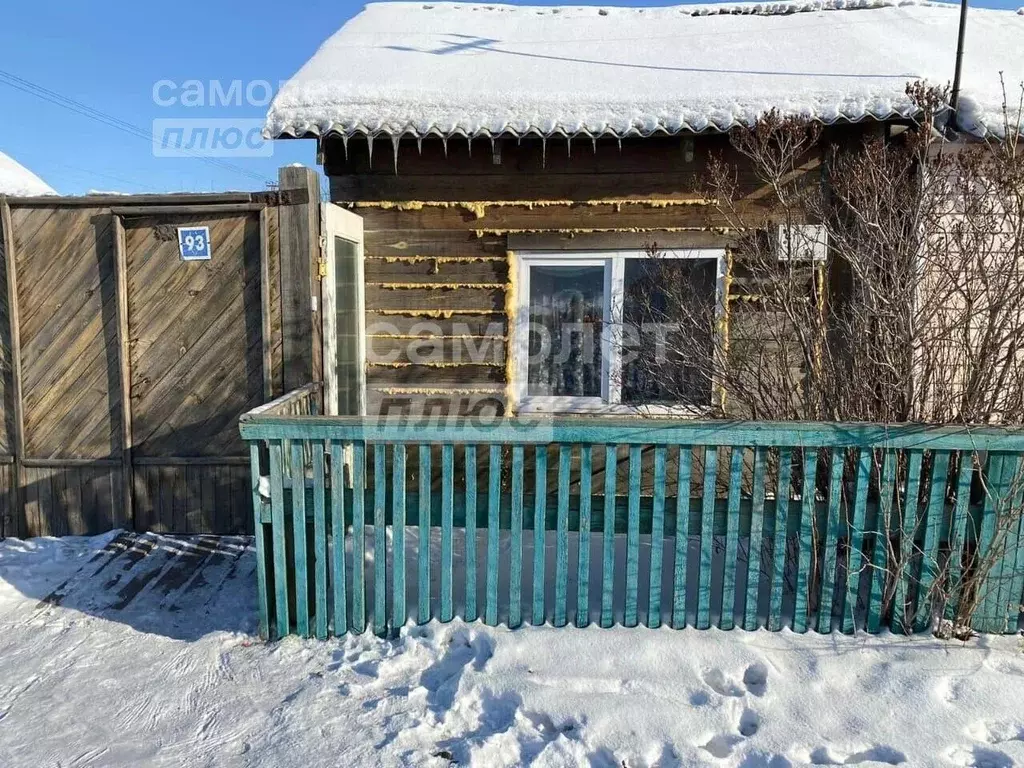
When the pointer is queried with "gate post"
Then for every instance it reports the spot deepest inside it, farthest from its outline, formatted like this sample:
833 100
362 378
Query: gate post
299 235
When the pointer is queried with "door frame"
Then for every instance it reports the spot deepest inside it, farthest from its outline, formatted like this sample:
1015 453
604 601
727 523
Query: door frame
336 222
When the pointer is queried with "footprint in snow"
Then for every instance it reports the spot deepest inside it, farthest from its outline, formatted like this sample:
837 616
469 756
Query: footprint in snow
883 754
755 678
996 732
754 681
722 684
721 745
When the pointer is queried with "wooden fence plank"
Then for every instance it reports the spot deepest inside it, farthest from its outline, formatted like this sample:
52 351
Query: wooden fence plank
732 540
319 542
783 495
380 478
562 536
298 478
260 545
17 494
493 524
932 525
633 538
990 615
910 499
515 585
833 523
880 553
804 563
857 539
358 618
423 550
470 533
124 371
281 564
338 577
398 608
682 536
657 539
540 492
708 494
583 558
447 512
957 524
608 538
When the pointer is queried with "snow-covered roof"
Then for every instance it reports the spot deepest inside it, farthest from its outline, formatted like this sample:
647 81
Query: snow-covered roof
18 181
481 70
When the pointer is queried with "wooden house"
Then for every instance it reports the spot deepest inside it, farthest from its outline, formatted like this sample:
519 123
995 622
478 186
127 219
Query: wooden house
497 157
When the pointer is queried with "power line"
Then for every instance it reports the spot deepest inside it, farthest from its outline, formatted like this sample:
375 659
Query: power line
34 89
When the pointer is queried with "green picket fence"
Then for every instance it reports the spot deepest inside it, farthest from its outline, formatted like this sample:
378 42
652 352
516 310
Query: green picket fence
365 524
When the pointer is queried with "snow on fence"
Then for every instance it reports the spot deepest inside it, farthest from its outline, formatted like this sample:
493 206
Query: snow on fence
518 520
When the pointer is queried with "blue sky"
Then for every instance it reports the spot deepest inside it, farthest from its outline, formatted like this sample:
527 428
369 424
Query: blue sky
109 56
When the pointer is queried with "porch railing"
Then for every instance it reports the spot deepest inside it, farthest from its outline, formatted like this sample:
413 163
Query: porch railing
371 524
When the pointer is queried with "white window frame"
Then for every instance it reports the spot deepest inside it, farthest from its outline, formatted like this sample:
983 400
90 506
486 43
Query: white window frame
613 262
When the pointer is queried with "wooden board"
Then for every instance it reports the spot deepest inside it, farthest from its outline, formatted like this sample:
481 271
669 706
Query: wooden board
195 335
182 498
68 329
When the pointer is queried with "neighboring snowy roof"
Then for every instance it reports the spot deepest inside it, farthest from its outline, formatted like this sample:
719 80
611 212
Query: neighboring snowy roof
18 181
479 70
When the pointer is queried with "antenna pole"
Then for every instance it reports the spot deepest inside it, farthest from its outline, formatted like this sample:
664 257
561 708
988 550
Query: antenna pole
954 97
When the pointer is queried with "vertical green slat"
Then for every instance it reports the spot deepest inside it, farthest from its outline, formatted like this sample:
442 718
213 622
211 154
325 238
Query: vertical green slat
319 541
611 462
857 536
633 538
957 521
338 538
562 536
879 561
583 562
910 504
779 533
423 549
515 586
732 539
299 537
470 531
539 508
493 526
358 618
380 613
398 608
988 618
932 529
832 527
447 513
756 539
261 548
682 537
707 521
657 539
803 563
278 532
1014 581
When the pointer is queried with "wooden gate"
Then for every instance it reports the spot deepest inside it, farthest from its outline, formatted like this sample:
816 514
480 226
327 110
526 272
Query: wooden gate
124 368
195 358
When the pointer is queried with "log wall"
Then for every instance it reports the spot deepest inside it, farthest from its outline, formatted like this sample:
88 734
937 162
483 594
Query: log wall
442 223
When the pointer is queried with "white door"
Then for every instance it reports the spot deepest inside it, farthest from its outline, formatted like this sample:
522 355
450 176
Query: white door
344 323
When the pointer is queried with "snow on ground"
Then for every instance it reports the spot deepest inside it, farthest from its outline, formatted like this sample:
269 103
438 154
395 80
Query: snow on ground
19 181
159 678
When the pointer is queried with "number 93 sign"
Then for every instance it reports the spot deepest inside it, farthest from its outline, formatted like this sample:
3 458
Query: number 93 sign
194 243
